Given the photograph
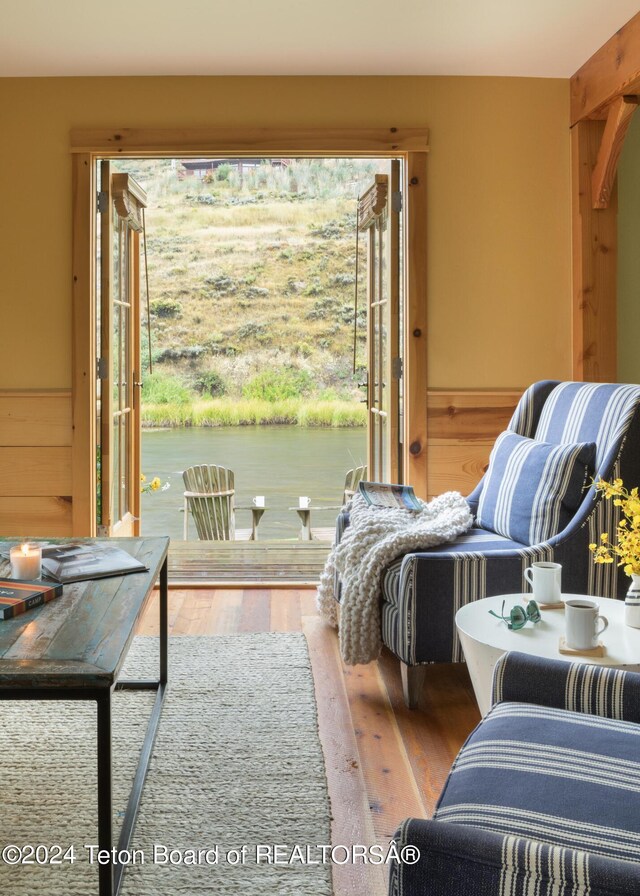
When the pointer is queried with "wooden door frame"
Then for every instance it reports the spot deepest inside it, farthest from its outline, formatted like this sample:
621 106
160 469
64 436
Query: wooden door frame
88 145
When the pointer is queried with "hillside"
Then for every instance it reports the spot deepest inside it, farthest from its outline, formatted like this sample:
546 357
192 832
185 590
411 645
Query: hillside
252 279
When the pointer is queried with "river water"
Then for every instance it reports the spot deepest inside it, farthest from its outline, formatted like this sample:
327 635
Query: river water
279 462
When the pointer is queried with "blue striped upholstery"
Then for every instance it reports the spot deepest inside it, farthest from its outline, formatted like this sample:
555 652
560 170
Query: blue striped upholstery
544 797
422 591
532 489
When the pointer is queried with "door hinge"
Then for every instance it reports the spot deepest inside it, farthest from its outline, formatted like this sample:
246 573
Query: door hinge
102 199
102 368
396 368
396 201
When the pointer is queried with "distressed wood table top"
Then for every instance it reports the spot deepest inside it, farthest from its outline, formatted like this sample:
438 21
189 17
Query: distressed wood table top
81 638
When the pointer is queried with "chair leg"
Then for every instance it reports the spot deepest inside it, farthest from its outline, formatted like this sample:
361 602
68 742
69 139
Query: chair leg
413 678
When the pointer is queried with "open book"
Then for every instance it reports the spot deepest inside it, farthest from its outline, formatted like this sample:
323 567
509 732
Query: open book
79 561
385 494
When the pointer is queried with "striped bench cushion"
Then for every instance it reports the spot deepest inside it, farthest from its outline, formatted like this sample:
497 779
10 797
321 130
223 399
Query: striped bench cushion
533 489
565 778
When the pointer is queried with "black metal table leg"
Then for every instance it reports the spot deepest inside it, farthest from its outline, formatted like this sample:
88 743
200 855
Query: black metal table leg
105 795
164 620
133 804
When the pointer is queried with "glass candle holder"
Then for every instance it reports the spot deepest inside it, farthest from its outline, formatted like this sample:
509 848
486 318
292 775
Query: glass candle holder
26 561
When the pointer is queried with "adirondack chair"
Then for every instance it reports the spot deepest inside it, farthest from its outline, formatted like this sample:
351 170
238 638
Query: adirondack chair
352 481
209 498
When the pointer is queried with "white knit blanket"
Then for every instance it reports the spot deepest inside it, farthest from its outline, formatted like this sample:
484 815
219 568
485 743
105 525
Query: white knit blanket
374 538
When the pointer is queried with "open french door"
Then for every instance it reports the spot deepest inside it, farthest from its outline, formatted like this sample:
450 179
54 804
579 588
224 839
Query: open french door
121 201
379 219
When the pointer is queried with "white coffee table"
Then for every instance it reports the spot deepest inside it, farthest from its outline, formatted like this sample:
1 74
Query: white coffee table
485 639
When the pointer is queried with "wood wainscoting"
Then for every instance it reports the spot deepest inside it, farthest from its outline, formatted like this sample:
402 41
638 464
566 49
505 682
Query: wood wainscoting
462 427
35 463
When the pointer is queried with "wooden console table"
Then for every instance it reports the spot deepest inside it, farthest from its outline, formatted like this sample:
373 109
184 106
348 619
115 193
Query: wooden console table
73 648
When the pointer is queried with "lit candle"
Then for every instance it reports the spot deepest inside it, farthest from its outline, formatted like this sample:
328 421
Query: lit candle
25 561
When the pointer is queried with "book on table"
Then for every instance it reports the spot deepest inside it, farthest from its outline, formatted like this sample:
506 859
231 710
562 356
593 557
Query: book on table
78 562
19 595
387 494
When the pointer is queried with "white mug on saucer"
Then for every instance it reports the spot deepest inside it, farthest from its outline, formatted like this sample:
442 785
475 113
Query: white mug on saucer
303 501
545 580
581 619
259 500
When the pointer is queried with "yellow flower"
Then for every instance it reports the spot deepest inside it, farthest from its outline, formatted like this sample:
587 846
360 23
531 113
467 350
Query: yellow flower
604 537
592 547
143 478
155 484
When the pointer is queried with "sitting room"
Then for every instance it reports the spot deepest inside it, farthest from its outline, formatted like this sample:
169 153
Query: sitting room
444 698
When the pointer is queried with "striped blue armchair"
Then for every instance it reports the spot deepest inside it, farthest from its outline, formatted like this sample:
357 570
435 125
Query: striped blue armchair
534 503
544 797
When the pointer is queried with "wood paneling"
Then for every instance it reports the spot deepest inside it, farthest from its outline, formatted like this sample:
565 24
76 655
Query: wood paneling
457 466
248 141
35 463
42 516
462 428
594 264
35 418
469 415
612 71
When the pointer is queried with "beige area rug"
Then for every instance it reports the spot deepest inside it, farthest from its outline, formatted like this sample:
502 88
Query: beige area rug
237 763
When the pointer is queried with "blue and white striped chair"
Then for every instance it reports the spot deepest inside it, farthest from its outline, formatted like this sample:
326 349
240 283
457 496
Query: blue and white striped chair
544 797
530 505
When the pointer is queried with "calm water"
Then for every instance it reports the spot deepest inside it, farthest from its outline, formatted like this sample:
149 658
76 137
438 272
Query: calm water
279 462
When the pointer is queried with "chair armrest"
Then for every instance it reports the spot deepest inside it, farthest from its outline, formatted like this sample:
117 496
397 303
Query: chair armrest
579 687
456 859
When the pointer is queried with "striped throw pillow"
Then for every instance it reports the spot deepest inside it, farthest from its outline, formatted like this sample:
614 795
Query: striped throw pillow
532 489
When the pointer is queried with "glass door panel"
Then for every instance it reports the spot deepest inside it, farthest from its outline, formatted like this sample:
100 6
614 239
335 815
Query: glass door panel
121 202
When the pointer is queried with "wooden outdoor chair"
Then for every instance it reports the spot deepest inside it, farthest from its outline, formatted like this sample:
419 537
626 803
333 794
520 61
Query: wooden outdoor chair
210 499
352 481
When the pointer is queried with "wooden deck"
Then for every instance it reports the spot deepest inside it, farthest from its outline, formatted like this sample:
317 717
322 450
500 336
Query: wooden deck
197 564
383 761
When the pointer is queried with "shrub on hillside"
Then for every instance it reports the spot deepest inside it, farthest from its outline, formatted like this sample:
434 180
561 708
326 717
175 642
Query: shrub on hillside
180 353
278 385
210 383
166 308
160 388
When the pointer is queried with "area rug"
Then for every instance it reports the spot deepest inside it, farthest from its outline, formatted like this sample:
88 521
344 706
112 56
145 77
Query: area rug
237 769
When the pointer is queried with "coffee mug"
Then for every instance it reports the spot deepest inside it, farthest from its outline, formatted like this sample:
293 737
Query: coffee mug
544 578
303 501
581 620
259 500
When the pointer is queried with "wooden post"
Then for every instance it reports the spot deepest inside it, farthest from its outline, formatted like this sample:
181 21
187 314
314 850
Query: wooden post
415 436
594 263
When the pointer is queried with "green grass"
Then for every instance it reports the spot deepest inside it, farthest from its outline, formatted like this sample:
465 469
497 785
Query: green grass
253 412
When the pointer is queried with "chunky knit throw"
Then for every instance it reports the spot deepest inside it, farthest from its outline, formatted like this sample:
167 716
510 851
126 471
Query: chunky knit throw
374 538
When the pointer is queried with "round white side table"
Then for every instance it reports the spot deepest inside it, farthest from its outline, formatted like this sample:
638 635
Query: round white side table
485 639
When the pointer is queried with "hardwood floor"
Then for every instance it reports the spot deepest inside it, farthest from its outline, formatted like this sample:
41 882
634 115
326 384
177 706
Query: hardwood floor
384 762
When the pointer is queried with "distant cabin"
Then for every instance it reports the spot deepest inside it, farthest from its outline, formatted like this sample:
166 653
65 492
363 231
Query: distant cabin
200 167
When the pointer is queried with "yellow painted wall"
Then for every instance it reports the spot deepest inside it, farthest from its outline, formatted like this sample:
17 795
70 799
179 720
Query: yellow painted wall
629 256
499 204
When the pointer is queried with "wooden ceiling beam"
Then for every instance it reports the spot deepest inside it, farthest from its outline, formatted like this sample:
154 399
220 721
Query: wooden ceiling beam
604 174
613 71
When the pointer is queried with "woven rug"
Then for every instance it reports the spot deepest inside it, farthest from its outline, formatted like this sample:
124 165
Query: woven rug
237 763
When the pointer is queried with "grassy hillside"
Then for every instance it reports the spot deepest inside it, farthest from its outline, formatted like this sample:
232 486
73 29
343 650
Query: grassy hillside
252 280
